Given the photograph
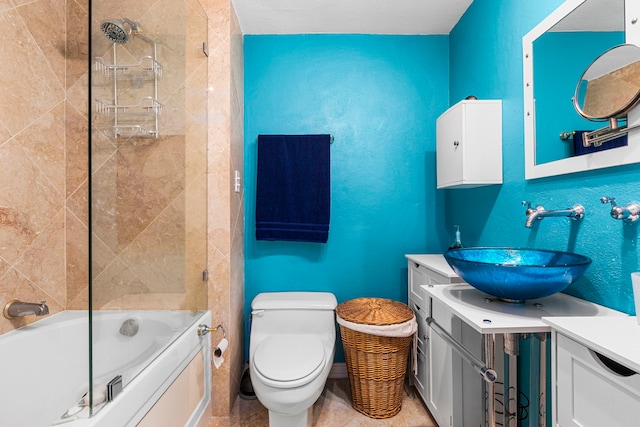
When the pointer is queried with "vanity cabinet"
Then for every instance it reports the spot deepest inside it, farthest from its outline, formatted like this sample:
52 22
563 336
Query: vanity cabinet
589 392
595 371
483 332
469 144
435 361
419 372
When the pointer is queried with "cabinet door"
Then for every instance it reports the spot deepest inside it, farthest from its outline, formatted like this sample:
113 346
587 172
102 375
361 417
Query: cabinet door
450 147
420 377
468 391
417 278
420 276
421 314
589 394
440 376
469 144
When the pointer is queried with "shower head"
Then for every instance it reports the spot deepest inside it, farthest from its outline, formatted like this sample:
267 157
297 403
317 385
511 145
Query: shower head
118 30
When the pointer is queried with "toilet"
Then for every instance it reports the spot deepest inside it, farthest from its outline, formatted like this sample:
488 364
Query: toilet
291 348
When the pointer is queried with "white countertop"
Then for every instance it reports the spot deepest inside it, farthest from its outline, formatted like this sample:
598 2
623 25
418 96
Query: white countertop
615 337
488 315
434 262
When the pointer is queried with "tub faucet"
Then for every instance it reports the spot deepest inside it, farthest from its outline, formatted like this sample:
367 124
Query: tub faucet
630 212
539 212
17 308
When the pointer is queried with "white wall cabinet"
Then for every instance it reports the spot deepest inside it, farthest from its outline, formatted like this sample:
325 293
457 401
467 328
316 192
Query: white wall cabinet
469 144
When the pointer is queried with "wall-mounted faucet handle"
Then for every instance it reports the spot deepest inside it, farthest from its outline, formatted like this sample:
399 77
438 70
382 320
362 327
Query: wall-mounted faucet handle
634 212
629 213
578 212
531 209
611 200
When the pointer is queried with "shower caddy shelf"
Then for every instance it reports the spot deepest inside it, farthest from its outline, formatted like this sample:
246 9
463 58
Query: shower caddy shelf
147 69
127 119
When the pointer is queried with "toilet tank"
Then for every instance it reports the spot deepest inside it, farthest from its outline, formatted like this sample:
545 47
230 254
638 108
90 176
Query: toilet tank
293 312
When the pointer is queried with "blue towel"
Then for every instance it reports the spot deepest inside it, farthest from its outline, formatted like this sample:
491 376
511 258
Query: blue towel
579 149
293 191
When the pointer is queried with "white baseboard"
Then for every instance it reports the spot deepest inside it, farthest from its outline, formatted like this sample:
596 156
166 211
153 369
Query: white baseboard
338 370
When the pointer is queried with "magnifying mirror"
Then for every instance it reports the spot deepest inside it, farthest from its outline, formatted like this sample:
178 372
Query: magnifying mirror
608 90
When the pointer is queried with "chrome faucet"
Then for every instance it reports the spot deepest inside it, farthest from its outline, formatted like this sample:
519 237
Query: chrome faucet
539 212
17 308
630 212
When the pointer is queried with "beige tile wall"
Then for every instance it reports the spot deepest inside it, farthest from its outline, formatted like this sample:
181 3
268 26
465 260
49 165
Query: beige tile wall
43 156
225 206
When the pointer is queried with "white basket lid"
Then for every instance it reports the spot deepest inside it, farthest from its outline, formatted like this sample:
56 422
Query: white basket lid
286 358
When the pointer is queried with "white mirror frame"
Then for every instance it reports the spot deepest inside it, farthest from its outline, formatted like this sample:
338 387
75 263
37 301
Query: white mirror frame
603 159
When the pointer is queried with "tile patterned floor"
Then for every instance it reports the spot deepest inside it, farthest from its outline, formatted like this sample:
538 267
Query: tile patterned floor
333 409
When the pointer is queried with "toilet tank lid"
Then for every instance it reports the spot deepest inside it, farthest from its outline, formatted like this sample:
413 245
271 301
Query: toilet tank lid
294 300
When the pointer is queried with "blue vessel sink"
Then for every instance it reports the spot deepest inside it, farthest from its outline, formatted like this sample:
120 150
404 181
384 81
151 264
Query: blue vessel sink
514 274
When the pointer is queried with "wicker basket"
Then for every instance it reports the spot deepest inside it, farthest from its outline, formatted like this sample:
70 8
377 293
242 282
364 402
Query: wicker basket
376 364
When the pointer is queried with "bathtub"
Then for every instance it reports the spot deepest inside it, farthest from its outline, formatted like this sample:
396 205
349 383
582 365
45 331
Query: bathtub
44 367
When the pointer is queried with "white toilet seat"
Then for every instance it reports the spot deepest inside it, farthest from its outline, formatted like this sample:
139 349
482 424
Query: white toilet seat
288 361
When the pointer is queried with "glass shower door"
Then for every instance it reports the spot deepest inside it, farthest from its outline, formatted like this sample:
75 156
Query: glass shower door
148 192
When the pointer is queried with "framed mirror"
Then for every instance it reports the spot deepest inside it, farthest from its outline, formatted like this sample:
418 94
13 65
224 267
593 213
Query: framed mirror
556 54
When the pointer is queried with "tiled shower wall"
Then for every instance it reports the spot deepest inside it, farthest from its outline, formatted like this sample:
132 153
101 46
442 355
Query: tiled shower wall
225 205
43 158
43 154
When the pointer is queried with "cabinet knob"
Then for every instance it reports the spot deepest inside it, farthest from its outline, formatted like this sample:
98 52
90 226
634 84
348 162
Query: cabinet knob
456 143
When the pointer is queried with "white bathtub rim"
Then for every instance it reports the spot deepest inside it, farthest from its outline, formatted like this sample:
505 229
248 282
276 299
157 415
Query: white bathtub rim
125 410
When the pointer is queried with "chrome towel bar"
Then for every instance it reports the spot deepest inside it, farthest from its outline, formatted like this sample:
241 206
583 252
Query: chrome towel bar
488 374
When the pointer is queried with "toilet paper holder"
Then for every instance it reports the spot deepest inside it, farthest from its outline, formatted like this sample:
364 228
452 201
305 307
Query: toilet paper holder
205 329
222 345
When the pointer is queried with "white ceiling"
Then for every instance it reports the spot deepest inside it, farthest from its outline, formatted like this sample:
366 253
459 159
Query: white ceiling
349 16
594 15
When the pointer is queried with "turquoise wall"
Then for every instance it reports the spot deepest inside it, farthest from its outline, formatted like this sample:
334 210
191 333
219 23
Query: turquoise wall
486 60
379 96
